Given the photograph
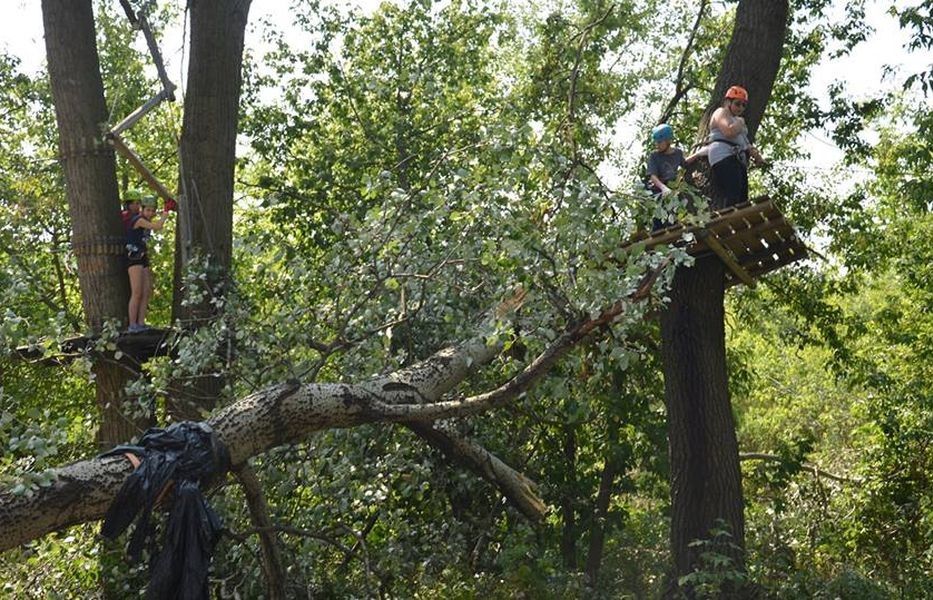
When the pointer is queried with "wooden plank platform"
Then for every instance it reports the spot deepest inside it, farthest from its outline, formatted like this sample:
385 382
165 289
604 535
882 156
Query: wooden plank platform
135 348
752 238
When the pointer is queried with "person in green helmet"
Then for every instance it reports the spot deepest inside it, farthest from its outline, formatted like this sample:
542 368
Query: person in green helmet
131 198
141 227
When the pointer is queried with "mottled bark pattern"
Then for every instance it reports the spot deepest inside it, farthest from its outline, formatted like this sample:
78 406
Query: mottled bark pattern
282 414
81 492
705 477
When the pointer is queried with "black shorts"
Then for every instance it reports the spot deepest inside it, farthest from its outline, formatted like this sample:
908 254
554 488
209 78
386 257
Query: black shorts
132 262
730 181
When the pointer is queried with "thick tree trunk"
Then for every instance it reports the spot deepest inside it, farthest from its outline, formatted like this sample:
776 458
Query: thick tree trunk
208 142
208 150
205 227
705 478
91 189
706 489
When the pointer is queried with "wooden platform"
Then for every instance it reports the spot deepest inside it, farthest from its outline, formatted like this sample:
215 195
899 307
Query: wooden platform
752 239
134 348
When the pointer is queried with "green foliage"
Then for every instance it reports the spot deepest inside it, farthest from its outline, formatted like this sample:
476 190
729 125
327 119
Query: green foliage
405 170
918 18
716 573
60 566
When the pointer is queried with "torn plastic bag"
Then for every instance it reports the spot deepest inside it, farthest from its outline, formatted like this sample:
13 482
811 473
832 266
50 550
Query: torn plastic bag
180 459
195 528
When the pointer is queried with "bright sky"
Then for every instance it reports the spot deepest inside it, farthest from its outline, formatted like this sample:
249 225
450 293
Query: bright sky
863 69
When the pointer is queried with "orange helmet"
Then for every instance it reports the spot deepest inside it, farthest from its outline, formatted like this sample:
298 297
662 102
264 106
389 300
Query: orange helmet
737 92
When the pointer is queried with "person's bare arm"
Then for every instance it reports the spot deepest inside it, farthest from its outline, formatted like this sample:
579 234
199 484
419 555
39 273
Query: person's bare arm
154 224
658 184
729 126
704 151
756 156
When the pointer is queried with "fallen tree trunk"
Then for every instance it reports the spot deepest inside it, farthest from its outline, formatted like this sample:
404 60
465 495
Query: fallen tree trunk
288 413
275 416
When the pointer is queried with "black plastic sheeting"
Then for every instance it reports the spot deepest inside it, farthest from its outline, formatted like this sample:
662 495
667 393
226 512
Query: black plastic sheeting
188 455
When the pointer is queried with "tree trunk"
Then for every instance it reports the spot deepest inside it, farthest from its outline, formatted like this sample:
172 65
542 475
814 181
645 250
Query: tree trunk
205 223
706 488
568 536
705 478
91 190
599 528
272 568
208 150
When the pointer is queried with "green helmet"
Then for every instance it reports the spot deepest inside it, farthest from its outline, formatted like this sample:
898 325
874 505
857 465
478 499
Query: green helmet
132 195
149 201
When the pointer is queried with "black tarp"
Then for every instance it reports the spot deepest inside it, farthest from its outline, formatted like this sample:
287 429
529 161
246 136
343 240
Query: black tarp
177 463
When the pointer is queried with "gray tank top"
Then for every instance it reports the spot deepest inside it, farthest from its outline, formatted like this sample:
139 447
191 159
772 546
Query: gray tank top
722 147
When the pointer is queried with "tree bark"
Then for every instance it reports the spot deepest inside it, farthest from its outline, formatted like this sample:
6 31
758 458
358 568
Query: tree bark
568 535
594 555
91 190
706 487
752 59
600 525
280 415
272 568
207 161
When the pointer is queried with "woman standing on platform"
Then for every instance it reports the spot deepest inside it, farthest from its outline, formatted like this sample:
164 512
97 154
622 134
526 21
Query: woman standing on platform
141 227
730 149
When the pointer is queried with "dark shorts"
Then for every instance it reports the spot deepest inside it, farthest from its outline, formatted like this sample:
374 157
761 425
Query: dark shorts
730 181
132 262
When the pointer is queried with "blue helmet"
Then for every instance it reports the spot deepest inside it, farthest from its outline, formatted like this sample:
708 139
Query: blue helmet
661 133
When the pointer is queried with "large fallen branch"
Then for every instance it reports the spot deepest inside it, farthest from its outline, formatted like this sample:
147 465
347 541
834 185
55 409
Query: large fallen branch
288 413
278 415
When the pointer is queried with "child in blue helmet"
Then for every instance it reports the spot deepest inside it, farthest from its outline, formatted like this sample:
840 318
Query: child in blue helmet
664 163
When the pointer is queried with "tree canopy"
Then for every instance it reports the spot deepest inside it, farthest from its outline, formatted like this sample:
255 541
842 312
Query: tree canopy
426 274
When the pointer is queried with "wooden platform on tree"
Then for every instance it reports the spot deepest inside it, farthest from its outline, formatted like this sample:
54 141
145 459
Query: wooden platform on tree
752 239
131 348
